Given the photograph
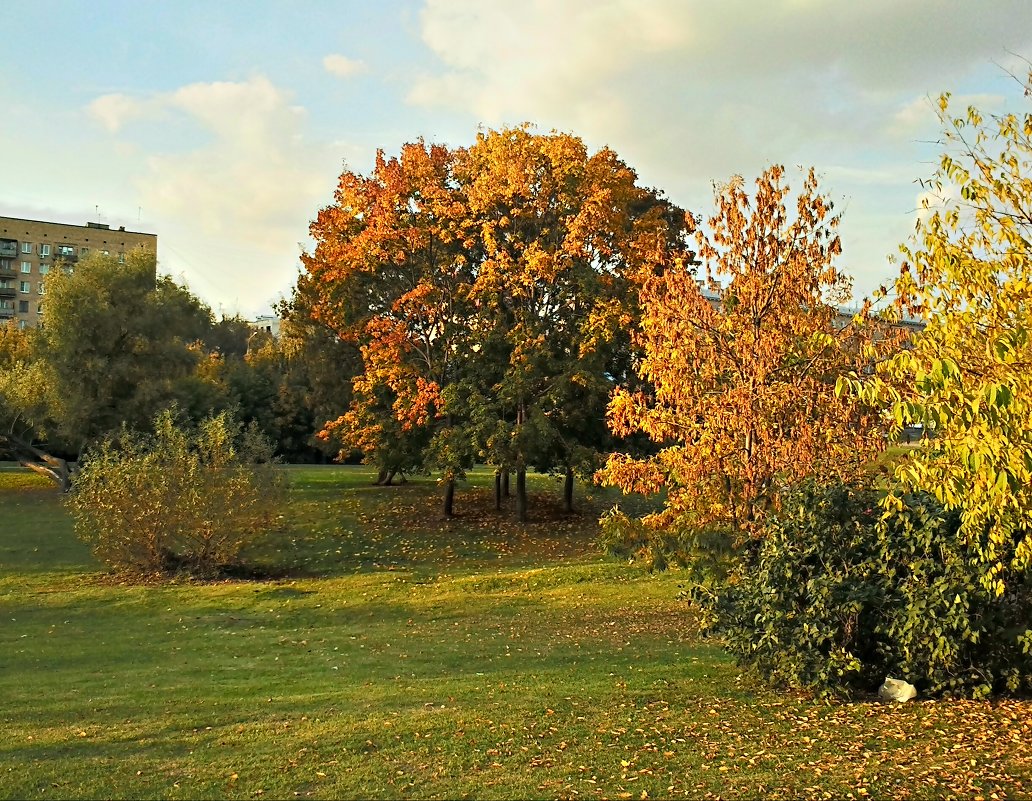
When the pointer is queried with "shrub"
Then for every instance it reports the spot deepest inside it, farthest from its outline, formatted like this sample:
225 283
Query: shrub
837 598
181 500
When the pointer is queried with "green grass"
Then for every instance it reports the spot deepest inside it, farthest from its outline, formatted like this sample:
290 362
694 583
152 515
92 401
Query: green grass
401 656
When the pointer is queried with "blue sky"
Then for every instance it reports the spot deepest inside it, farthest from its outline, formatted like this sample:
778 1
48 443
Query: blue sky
223 127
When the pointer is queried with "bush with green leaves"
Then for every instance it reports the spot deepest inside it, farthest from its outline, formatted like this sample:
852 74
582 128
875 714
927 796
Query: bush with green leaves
183 500
706 552
839 596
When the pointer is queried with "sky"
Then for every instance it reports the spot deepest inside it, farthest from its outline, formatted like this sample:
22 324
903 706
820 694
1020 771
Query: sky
223 127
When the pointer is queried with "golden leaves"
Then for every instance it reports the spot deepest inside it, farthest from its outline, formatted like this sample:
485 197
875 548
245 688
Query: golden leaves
742 375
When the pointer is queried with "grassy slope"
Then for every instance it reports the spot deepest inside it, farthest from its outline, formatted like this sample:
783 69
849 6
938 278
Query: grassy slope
410 658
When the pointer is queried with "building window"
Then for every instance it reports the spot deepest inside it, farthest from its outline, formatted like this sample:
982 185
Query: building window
5 264
44 269
40 285
106 252
26 247
39 310
44 251
23 307
23 324
24 287
6 304
26 266
121 258
83 251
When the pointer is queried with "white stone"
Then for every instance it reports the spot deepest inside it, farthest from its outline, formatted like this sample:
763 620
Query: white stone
897 690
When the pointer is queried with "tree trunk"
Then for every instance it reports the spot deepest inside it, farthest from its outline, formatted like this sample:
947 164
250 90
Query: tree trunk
389 481
381 476
505 484
568 491
59 474
38 461
521 494
498 490
447 509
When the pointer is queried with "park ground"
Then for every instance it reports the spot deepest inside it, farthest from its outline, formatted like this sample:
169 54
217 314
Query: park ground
377 652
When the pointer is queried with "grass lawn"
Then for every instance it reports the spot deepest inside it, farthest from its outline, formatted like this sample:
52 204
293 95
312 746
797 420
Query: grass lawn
398 656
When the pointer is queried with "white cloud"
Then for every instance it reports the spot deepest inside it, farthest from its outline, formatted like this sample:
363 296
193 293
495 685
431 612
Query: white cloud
113 111
690 91
501 58
713 88
245 182
342 66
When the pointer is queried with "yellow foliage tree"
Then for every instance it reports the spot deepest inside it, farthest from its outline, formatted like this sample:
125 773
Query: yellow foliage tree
565 236
968 377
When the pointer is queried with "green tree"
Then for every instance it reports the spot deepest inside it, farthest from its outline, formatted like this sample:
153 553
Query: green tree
967 274
25 405
118 345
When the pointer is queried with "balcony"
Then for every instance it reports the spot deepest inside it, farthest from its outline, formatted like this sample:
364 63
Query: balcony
8 272
8 248
66 253
8 291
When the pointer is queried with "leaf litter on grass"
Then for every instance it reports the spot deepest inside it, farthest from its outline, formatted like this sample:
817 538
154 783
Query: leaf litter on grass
447 673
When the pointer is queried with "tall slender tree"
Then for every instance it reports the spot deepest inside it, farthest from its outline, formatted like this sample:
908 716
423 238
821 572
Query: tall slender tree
740 375
967 274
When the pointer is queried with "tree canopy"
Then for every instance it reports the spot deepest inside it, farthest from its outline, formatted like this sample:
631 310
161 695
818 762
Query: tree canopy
739 367
116 343
489 291
967 275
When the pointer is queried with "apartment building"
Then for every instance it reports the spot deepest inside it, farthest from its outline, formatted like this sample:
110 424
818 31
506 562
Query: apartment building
267 323
30 249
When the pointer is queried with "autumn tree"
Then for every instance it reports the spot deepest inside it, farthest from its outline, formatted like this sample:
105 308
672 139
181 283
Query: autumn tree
565 237
488 291
740 368
967 275
393 270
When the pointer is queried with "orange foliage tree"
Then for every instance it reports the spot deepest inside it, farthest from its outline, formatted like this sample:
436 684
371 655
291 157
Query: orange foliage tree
740 376
392 269
565 237
490 291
